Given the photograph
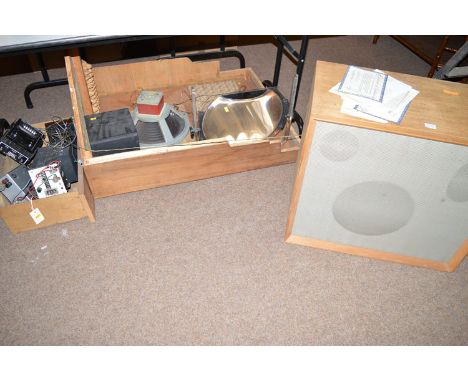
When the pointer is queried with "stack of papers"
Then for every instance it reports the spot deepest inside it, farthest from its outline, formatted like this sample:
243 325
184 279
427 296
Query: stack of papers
373 95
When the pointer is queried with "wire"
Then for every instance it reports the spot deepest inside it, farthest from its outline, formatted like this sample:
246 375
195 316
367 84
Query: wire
15 199
32 185
197 143
31 191
60 132
189 98
43 182
48 167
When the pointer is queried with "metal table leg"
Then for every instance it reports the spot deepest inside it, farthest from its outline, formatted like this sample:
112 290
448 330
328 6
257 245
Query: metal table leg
300 64
222 53
300 57
46 83
215 55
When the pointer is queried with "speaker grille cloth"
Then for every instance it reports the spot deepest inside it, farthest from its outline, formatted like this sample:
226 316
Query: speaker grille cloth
384 191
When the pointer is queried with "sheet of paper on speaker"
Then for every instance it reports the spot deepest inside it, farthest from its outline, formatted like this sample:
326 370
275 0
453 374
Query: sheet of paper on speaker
392 104
349 107
364 83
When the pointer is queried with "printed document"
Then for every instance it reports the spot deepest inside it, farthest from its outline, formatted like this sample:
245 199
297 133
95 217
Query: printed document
364 83
383 99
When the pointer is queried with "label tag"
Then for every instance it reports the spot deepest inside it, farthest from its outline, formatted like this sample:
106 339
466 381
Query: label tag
430 126
37 215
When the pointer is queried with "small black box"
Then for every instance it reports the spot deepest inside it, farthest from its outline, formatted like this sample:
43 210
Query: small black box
113 131
21 142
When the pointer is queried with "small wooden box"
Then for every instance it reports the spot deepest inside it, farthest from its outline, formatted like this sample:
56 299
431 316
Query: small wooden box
117 86
77 203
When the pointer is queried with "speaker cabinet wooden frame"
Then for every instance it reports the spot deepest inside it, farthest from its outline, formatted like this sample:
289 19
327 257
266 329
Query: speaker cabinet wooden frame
439 103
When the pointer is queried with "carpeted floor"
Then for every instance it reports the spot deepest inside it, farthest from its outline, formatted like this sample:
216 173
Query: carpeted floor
204 263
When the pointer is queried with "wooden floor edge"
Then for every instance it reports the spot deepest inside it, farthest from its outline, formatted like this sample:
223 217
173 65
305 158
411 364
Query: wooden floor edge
379 255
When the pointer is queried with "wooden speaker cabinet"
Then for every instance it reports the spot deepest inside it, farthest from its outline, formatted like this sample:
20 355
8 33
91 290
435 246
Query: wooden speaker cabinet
387 191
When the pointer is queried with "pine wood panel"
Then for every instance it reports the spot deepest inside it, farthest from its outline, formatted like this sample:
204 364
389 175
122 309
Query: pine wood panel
177 95
86 196
156 170
380 255
81 81
56 209
442 103
303 159
152 74
76 92
77 203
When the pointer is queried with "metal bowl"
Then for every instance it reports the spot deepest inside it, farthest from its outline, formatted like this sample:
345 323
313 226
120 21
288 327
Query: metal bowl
255 114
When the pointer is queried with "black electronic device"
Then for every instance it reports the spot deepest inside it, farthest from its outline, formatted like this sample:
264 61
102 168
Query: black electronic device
21 142
66 156
112 132
4 126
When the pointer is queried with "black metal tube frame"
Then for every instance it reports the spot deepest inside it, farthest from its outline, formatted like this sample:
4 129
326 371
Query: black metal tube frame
300 57
47 82
215 55
223 53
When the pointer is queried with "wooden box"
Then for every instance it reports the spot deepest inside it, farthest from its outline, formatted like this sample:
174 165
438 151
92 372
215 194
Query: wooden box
117 86
77 203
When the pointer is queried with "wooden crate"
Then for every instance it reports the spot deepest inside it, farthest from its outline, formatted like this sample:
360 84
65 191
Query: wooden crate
118 86
77 203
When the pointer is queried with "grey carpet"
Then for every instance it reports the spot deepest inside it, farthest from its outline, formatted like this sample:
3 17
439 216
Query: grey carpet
204 263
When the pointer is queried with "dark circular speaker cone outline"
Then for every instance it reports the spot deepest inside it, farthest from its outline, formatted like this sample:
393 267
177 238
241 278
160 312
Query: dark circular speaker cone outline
373 208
